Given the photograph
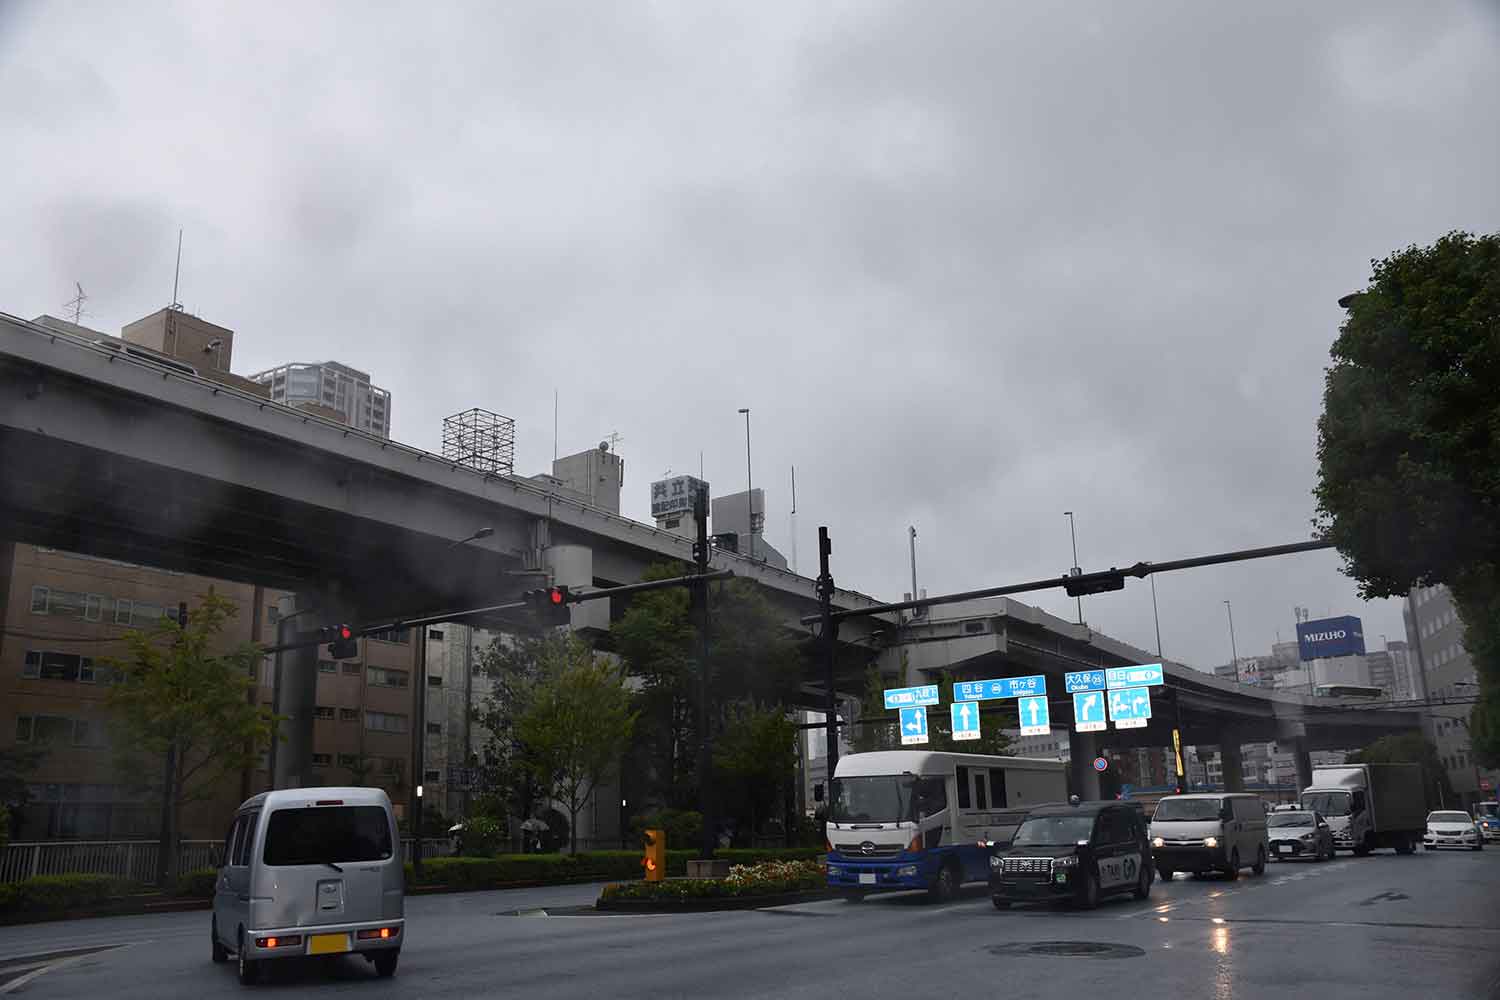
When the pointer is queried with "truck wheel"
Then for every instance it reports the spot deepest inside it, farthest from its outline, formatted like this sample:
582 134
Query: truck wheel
945 886
1260 860
1233 871
1407 846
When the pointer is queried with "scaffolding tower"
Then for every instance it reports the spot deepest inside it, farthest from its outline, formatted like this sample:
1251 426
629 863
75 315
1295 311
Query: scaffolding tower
480 440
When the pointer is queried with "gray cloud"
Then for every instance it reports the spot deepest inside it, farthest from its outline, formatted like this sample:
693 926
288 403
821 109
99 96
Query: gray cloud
970 264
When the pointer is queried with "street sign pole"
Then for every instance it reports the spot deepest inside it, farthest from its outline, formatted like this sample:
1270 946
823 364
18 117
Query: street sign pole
710 834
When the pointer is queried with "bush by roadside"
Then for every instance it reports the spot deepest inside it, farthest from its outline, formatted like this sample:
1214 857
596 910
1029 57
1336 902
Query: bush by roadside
509 869
47 893
773 878
196 884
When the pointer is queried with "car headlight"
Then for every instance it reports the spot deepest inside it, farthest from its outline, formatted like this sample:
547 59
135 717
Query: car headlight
1210 841
1158 842
994 861
1071 861
906 871
1309 837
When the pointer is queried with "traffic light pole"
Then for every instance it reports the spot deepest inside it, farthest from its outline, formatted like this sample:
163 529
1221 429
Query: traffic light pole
709 839
829 638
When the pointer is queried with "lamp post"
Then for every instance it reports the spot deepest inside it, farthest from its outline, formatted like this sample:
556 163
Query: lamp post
1076 570
1232 650
749 486
1155 617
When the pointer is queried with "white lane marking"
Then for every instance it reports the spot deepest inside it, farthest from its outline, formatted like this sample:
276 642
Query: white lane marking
16 984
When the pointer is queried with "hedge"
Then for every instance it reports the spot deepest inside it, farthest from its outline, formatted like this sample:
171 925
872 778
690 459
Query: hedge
507 869
768 879
62 892
196 884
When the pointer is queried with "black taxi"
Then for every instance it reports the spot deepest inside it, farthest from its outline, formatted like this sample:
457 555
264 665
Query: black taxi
1076 851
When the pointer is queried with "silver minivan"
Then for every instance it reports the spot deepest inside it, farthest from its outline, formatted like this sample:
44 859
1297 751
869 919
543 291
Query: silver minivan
1221 831
310 871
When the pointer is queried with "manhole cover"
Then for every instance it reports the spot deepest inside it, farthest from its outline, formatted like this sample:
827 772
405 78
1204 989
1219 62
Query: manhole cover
1068 949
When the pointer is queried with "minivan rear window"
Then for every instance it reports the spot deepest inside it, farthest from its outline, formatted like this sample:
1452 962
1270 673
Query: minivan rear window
324 834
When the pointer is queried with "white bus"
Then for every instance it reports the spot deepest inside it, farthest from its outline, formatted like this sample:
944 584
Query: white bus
918 819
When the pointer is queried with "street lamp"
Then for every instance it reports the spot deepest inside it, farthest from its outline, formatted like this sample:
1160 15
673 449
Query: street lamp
1076 570
1154 616
749 487
1232 650
481 533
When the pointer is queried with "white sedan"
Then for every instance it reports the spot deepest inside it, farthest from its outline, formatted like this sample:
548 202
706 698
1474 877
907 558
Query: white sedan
1451 828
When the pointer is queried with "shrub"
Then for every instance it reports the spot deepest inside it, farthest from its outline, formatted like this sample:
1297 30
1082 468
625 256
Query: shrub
767 879
482 836
684 826
196 884
61 892
504 869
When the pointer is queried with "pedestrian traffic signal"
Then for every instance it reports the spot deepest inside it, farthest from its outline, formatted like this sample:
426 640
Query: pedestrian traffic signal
655 860
342 644
550 605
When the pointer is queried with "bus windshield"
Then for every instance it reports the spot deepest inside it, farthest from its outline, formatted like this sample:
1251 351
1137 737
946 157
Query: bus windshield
885 798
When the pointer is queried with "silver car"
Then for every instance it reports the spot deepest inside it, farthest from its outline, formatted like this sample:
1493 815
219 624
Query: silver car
310 871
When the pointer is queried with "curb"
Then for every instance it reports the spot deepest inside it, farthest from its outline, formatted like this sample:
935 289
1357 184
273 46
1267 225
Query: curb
121 909
711 905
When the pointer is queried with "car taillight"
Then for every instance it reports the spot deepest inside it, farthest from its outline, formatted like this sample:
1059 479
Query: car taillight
278 942
378 933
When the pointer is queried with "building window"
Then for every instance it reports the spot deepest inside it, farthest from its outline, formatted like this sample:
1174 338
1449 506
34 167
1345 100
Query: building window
434 680
93 608
433 775
327 667
322 759
348 760
435 728
390 765
400 635
348 715
323 712
385 722
435 633
39 596
273 614
33 665
351 667
23 729
123 609
381 677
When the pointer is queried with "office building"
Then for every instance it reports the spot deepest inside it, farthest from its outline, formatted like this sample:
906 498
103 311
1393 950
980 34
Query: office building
331 390
1447 679
733 515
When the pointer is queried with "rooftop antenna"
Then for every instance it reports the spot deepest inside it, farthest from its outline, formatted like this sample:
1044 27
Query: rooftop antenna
614 440
554 425
76 304
177 272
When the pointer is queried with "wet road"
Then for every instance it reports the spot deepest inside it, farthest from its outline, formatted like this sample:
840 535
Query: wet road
1377 927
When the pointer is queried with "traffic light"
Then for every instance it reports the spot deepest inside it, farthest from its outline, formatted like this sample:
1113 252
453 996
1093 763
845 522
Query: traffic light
655 860
550 605
1094 583
341 644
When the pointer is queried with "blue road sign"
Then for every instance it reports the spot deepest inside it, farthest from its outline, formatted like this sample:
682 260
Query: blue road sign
914 725
1130 708
1088 712
1035 719
1142 675
926 694
1003 687
965 720
1084 680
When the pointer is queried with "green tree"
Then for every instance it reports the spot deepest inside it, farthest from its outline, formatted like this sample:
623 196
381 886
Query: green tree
178 701
753 659
1412 748
755 763
576 726
1409 443
516 666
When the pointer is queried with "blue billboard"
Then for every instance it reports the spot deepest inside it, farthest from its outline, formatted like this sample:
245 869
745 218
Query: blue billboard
1330 637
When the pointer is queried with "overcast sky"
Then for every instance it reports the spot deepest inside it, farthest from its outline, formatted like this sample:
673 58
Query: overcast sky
970 265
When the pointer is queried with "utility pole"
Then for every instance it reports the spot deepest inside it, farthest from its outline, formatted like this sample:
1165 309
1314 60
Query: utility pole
1156 617
911 531
1233 651
705 745
1076 569
830 648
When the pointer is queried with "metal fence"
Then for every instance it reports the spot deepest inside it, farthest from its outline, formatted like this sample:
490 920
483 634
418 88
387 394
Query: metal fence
132 859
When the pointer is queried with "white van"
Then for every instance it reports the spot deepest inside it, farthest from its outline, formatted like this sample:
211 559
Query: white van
310 871
1221 832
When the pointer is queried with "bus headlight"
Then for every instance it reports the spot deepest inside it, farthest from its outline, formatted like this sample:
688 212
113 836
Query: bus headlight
906 871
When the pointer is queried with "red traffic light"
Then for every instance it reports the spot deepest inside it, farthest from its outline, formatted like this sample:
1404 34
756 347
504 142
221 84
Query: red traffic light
557 596
345 632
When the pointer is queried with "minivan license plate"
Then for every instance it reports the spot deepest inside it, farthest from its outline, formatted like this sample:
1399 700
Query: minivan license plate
866 878
327 944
